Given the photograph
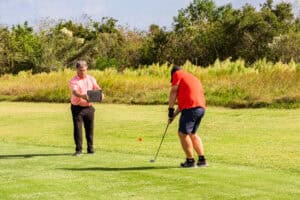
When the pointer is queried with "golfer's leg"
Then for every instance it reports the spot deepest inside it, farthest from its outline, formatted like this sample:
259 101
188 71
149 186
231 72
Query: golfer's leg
89 127
77 124
186 144
197 144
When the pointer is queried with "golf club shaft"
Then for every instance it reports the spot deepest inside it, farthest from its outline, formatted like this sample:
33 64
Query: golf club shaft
162 139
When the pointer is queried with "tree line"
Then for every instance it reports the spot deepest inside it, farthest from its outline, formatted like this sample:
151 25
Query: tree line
201 33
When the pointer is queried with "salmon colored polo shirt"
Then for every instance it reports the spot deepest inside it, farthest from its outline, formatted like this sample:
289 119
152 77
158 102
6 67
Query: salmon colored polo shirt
190 92
82 85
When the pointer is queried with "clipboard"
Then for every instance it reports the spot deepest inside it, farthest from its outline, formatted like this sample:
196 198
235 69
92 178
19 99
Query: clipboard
94 95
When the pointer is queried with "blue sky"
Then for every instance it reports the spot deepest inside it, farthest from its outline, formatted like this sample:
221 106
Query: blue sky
132 13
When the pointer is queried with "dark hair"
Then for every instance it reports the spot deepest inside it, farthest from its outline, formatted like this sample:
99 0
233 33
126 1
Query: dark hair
174 69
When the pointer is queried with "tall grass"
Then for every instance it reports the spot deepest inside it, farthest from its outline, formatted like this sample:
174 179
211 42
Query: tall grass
226 83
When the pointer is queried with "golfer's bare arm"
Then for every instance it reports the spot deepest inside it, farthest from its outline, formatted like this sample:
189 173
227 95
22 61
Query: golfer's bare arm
77 94
172 98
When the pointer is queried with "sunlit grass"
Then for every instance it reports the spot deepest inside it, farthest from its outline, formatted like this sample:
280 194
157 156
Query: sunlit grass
253 154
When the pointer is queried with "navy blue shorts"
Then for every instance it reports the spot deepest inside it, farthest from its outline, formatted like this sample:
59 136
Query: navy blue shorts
190 120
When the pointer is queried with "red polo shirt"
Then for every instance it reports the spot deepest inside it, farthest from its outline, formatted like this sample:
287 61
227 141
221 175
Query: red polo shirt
190 91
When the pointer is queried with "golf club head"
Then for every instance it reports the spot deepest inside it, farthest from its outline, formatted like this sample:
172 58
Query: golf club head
152 160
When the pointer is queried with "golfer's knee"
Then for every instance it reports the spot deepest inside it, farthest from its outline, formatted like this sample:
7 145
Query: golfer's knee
194 137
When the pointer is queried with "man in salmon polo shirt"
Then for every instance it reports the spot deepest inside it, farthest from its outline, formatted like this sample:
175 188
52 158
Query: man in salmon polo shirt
82 110
188 91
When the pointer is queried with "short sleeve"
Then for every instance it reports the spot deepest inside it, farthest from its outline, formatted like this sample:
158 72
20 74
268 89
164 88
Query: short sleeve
175 79
73 84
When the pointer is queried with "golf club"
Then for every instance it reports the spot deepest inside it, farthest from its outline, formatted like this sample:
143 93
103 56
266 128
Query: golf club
162 139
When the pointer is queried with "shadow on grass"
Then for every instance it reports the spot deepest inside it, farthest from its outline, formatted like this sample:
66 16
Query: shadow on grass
118 168
32 155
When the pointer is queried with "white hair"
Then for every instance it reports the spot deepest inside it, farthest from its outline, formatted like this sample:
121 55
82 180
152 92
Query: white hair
81 63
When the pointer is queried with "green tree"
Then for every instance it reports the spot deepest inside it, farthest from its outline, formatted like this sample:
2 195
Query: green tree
286 47
154 45
107 25
207 32
79 30
4 61
198 10
22 49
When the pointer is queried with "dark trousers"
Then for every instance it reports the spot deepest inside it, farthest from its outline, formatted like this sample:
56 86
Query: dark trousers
83 115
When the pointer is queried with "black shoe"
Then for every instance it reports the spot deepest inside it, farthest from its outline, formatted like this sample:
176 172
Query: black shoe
77 153
188 164
202 163
91 152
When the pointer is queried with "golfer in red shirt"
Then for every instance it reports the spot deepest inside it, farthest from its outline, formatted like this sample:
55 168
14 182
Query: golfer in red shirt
188 91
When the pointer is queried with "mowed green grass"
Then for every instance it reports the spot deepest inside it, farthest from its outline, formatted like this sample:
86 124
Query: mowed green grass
253 154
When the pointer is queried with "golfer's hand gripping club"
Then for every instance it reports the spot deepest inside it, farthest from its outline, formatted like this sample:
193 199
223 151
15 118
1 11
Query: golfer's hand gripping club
171 114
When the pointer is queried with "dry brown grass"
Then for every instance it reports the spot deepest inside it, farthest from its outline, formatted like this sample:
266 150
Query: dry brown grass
226 83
